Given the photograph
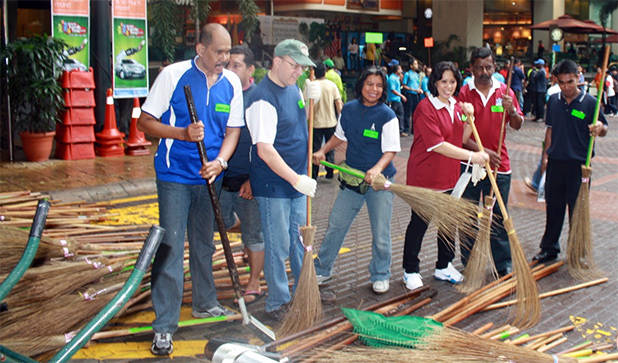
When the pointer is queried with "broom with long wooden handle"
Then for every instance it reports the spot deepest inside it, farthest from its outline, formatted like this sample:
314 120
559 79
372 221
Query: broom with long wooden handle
449 214
481 257
580 259
306 307
528 307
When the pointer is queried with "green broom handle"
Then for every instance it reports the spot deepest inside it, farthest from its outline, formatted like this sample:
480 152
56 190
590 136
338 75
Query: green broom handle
597 108
9 356
356 173
143 261
38 224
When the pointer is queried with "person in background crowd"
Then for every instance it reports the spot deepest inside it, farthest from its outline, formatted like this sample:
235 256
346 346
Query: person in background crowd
394 95
370 54
353 53
326 110
434 164
491 99
566 148
181 178
370 129
540 89
412 90
540 50
277 121
425 83
581 80
610 96
236 197
333 76
529 95
517 81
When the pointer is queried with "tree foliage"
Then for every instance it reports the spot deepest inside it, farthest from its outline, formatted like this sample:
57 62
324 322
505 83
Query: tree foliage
248 10
164 18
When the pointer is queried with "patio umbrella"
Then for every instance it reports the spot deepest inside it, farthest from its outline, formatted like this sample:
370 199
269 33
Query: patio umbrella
568 24
599 28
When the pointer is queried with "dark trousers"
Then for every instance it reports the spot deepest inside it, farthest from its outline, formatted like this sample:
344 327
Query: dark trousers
528 102
539 105
409 108
320 135
412 246
500 248
562 183
397 107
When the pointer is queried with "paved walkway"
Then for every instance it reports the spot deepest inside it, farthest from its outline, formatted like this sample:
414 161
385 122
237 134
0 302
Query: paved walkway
106 178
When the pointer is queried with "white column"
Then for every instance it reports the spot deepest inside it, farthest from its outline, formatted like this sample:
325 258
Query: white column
462 18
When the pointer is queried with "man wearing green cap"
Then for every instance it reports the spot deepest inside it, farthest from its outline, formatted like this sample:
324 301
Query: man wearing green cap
333 76
277 120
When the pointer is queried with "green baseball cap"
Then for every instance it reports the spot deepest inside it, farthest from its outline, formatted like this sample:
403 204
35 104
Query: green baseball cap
329 63
296 50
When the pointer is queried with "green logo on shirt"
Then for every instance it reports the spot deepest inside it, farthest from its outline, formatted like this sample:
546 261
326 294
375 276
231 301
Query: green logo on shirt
222 107
372 134
577 113
301 104
497 108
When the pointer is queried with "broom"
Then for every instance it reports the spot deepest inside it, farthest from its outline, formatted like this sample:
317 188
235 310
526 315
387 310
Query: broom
481 257
306 307
449 214
580 260
528 307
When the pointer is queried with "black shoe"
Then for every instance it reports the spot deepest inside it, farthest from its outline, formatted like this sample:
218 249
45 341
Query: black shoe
279 314
544 256
328 296
504 272
329 176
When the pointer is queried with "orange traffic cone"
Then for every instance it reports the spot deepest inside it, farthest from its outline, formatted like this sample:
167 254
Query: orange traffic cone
110 139
137 143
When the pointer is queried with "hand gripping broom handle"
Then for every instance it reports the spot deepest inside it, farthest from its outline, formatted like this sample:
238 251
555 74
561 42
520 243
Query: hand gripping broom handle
597 108
492 178
225 242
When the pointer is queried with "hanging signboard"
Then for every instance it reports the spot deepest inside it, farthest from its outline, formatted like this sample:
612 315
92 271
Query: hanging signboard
277 28
130 49
71 23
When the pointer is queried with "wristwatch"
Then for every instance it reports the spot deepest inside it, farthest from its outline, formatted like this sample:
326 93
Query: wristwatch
222 162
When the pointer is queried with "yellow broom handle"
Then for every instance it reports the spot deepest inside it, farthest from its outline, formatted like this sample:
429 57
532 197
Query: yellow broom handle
310 155
492 178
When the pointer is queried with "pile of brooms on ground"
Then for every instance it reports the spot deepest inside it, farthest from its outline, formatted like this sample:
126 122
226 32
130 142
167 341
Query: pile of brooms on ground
77 269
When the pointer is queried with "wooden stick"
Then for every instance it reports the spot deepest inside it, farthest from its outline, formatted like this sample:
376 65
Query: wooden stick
544 341
483 329
550 293
581 346
602 358
552 345
541 335
496 331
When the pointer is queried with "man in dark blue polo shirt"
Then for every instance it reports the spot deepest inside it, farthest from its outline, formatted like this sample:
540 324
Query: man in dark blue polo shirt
568 119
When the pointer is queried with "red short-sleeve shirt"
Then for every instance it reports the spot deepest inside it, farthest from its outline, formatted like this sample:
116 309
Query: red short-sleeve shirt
434 125
488 117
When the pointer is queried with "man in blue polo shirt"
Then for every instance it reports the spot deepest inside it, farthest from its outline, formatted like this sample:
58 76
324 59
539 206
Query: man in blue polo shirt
568 119
412 86
184 201
394 96
277 121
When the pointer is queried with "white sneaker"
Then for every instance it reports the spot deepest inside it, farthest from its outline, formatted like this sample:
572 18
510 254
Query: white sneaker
413 280
380 287
449 274
323 280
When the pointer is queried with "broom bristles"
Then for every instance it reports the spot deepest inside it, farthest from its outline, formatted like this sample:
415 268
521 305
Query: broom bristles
528 306
306 307
33 346
481 258
580 258
449 214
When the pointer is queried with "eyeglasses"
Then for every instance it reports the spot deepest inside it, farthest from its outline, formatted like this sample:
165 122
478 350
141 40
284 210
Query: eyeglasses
296 66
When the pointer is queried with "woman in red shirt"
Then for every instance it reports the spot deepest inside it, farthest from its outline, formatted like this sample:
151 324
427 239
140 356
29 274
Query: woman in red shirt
434 163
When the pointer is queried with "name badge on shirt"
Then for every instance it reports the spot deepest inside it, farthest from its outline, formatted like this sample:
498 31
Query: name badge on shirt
498 106
222 107
301 104
577 113
372 134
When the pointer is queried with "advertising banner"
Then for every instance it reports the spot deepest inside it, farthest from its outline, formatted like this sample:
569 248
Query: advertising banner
71 23
277 28
130 48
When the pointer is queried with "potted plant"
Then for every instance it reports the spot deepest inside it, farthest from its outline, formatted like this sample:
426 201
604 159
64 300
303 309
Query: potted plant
34 67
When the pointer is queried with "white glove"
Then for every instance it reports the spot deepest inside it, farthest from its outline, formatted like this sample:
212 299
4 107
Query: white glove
478 173
313 90
306 185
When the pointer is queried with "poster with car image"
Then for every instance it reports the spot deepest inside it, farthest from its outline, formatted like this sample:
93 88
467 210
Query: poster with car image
130 49
71 23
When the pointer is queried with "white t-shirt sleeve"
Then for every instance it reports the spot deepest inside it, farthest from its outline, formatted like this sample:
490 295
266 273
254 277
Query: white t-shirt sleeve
236 105
158 100
390 136
262 120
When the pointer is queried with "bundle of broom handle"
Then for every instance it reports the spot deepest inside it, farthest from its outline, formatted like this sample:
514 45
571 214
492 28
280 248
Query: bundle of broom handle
528 310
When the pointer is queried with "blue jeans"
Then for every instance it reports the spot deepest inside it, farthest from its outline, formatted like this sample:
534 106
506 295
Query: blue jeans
183 208
249 214
281 222
347 206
